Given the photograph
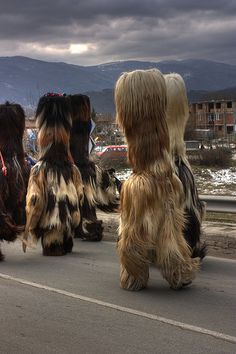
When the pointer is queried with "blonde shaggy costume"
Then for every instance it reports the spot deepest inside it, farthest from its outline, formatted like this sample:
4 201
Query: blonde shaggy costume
152 217
55 189
177 116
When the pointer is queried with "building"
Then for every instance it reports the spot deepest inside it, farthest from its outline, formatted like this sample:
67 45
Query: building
215 118
106 130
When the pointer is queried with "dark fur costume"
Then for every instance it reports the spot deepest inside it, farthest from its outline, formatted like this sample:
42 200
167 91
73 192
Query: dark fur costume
99 184
90 228
55 188
14 172
194 209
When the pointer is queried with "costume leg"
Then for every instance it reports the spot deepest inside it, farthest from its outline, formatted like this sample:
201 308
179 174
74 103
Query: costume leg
68 244
134 272
90 228
173 253
52 244
54 249
134 237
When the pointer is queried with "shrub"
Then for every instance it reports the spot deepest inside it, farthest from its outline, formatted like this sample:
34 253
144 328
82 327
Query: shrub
220 157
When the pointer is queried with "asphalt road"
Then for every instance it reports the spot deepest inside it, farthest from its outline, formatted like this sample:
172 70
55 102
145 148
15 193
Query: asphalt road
73 304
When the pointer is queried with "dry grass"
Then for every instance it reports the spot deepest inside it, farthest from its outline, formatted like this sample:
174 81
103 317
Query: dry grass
221 217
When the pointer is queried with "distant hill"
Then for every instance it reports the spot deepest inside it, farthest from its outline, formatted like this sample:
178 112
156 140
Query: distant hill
24 80
102 101
226 94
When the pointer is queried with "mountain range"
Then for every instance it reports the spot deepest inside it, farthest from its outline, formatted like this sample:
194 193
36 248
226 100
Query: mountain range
24 80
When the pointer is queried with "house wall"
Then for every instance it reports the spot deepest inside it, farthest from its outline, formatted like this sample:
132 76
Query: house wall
218 116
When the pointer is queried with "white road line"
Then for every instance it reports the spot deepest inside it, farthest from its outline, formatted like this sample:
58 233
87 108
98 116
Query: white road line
131 311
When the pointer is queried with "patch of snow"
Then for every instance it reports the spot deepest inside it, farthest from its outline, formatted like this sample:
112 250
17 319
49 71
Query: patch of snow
208 181
225 176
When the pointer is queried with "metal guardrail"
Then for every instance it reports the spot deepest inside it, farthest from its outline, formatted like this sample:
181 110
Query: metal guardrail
223 204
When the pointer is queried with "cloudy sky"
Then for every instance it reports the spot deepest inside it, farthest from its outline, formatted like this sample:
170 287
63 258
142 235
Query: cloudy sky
88 32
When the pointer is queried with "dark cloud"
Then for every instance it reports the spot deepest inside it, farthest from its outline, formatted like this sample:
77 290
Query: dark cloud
94 31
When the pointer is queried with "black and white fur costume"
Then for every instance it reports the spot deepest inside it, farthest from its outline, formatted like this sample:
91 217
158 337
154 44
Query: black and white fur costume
55 190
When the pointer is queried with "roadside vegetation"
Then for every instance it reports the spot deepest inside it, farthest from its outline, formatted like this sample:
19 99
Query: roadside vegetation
221 217
219 157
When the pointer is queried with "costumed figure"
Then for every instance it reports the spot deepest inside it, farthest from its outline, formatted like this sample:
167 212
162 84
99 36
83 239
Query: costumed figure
177 116
14 172
99 184
152 214
55 188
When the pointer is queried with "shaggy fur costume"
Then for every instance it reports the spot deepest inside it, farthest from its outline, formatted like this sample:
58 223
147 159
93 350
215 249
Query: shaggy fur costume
55 188
99 184
14 172
152 217
177 116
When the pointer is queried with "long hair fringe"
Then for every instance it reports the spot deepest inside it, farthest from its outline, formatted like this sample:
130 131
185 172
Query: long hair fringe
177 112
140 98
177 116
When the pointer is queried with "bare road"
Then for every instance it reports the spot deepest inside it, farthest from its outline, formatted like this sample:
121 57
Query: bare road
73 304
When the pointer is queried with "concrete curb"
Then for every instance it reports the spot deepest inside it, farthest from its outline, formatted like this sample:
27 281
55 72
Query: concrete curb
219 237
